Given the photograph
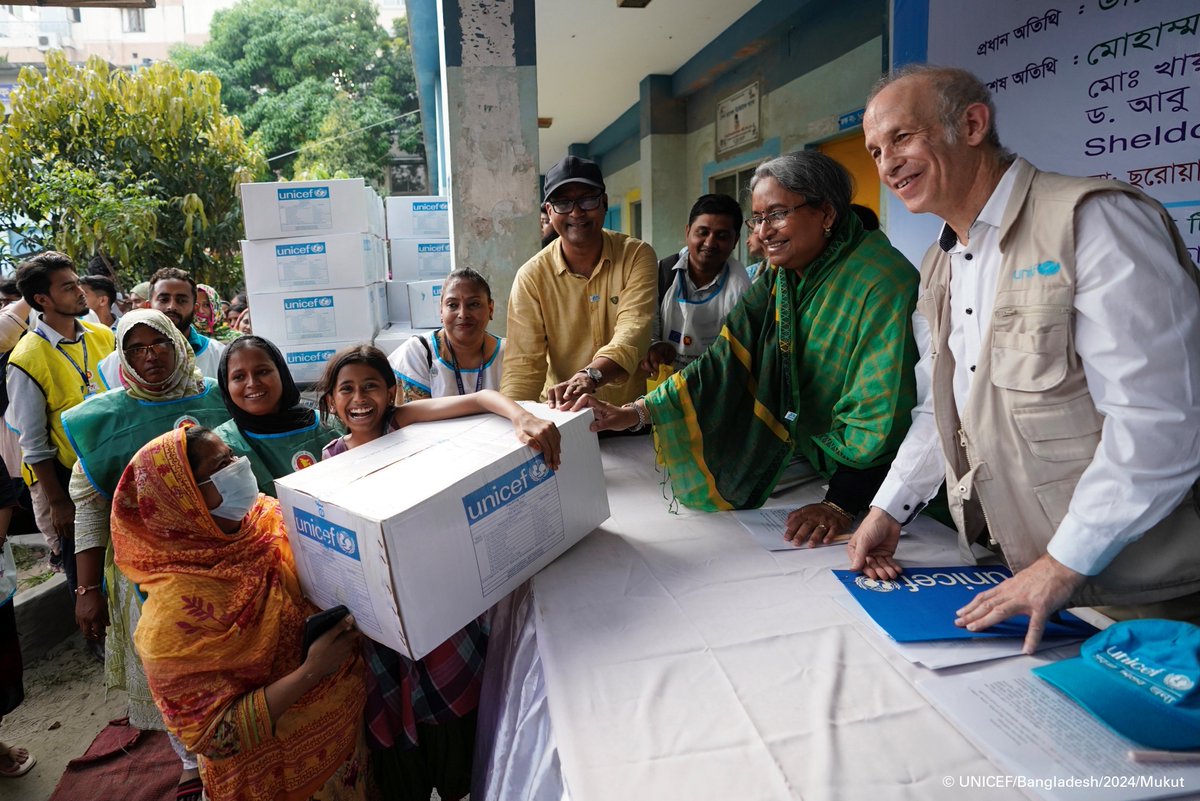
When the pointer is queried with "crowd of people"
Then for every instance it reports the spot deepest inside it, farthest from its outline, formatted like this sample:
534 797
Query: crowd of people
1060 409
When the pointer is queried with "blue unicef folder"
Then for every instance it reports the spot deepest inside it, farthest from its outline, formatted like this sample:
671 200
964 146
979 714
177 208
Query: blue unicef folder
920 606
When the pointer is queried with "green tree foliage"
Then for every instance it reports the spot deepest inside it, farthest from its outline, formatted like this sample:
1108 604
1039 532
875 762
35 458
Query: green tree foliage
142 166
302 74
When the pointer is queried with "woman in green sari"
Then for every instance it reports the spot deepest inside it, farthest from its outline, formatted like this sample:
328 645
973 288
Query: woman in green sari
815 364
268 423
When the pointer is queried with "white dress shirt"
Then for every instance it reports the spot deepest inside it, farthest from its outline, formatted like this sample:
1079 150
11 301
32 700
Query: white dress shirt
1137 333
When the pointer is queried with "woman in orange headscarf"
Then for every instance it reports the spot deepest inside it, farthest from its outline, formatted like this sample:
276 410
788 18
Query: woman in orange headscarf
222 626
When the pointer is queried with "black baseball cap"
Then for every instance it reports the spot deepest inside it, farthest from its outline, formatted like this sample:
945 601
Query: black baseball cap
573 170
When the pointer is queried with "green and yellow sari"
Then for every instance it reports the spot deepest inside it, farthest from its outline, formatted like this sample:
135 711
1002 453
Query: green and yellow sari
818 364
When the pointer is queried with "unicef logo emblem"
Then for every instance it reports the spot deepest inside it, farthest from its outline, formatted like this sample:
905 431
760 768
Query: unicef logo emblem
1048 268
326 301
875 585
1178 681
318 248
321 191
346 543
539 471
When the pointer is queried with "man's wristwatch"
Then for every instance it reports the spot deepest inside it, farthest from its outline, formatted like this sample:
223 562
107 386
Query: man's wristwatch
594 374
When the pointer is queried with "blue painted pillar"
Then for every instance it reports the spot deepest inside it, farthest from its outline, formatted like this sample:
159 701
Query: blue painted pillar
491 157
665 200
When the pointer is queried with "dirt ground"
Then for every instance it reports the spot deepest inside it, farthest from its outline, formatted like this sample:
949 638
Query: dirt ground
64 710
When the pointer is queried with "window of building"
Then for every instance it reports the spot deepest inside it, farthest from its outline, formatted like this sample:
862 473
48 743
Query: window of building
76 15
635 219
133 20
737 186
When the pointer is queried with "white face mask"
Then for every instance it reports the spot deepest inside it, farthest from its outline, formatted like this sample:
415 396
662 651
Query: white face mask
238 488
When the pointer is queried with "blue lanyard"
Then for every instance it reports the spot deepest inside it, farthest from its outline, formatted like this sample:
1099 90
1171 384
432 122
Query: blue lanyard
84 374
458 373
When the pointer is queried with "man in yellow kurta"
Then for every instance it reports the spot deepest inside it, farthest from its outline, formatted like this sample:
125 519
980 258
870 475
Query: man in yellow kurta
580 311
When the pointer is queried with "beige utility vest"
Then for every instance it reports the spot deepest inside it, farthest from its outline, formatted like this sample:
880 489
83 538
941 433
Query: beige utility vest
1030 427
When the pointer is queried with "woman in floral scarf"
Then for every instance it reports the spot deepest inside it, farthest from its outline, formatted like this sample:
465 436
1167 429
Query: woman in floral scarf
222 627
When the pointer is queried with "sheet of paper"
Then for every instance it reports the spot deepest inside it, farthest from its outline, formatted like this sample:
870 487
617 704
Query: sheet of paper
766 527
1048 745
942 654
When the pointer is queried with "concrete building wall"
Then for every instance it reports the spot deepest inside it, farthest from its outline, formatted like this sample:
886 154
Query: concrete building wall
813 71
624 187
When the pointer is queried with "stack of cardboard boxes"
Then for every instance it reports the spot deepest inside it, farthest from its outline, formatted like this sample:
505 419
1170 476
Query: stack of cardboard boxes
316 266
418 230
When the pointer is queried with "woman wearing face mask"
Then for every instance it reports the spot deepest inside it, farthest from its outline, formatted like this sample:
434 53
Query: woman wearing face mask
459 358
222 627
162 389
269 425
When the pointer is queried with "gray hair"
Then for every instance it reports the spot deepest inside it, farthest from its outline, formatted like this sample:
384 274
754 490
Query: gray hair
810 173
956 89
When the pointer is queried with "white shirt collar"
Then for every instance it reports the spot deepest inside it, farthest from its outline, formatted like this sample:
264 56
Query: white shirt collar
992 213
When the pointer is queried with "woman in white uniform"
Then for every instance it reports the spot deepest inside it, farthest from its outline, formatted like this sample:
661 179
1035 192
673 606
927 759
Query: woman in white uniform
459 358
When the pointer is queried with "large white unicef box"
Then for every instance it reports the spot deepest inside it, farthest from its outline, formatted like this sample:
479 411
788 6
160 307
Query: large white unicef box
278 210
419 216
318 315
423 530
420 259
337 260
307 363
425 303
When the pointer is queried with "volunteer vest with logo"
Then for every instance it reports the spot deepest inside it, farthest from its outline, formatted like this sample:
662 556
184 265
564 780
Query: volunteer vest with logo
57 374
274 456
107 430
692 324
1030 427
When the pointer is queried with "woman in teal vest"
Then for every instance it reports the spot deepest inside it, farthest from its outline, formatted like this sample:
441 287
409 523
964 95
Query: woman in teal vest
162 390
269 425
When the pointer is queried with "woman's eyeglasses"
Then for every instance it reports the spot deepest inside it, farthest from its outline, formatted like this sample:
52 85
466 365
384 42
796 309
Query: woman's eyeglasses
778 217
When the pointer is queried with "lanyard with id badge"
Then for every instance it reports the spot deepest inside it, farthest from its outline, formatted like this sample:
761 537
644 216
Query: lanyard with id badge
86 375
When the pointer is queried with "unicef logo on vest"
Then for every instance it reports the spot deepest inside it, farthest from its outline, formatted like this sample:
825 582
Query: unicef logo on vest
876 585
1044 269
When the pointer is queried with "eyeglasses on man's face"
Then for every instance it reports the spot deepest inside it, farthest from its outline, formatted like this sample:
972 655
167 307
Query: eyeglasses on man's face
778 217
589 203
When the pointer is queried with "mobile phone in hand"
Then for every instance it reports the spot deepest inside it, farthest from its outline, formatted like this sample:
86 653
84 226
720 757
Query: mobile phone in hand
321 622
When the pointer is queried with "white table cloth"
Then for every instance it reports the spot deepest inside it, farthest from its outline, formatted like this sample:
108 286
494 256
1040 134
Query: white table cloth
667 656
